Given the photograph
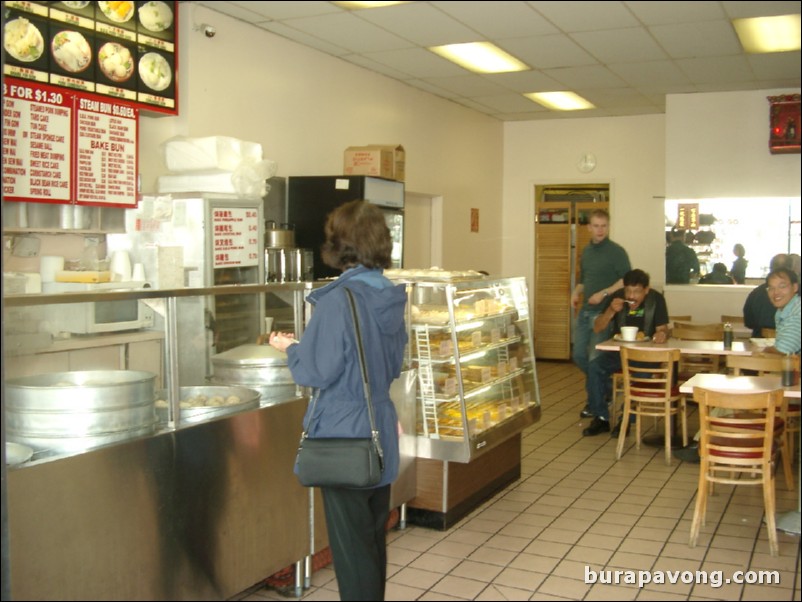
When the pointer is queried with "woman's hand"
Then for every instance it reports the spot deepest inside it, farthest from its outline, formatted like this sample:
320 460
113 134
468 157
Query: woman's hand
281 340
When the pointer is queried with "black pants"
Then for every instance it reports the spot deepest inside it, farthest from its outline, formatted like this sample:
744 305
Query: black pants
356 519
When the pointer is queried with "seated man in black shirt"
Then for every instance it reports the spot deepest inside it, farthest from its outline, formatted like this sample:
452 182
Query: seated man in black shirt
634 305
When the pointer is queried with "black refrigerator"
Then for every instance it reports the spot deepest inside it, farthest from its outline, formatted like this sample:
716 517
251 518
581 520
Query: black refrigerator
311 198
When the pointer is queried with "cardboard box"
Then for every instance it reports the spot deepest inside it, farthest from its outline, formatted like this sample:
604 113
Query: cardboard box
382 160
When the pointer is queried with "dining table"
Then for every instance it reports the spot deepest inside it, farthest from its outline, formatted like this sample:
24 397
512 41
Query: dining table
788 522
685 346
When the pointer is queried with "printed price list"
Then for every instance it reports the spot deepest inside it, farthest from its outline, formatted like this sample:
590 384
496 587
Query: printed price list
36 142
235 237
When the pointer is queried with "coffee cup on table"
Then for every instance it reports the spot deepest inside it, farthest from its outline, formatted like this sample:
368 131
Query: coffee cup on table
629 333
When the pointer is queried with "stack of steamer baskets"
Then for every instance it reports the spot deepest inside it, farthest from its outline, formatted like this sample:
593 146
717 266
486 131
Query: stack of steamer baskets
284 262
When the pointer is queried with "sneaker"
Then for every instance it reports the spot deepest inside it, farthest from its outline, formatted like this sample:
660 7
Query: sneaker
586 413
597 426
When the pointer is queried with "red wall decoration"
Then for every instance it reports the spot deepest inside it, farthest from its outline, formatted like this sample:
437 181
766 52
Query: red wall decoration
784 123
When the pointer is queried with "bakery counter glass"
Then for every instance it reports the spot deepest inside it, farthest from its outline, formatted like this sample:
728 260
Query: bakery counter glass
471 345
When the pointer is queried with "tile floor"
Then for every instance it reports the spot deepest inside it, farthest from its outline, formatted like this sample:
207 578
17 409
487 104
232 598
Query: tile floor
576 507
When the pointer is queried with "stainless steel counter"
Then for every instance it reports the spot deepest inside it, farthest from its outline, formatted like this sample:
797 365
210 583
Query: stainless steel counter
199 513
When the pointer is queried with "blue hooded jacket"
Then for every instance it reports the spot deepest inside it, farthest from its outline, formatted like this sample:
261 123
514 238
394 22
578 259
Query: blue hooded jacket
326 358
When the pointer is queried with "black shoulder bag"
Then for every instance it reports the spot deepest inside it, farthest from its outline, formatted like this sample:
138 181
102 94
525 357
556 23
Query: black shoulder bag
340 462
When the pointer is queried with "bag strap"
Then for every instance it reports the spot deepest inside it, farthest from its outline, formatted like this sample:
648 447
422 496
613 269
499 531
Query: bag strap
365 383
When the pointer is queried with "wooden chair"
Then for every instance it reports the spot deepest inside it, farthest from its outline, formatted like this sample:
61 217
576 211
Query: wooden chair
694 363
731 319
768 333
650 390
680 318
773 364
737 448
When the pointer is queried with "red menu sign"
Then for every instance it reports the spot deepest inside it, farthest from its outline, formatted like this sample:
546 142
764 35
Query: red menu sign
64 146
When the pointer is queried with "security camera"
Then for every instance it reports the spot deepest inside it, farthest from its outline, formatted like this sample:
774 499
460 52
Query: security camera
209 31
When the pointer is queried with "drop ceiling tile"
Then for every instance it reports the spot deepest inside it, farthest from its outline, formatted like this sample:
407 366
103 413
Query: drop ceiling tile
731 69
468 85
775 66
547 52
420 23
371 65
741 10
618 97
498 19
417 62
347 31
688 40
282 10
585 77
586 16
228 8
429 87
524 81
638 74
506 103
686 11
620 45
279 28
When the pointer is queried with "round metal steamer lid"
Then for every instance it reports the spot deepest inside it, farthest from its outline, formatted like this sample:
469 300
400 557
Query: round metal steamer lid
250 355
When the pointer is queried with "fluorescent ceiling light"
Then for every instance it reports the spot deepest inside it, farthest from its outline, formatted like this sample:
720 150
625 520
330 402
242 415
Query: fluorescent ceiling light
560 101
481 57
769 34
355 5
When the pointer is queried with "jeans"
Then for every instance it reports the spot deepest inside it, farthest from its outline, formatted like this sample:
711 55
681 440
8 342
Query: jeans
597 383
585 340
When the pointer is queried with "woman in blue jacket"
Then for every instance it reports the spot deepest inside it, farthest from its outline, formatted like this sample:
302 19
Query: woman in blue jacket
358 243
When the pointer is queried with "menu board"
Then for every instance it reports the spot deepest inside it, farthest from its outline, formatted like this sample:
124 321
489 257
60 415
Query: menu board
235 237
66 146
125 50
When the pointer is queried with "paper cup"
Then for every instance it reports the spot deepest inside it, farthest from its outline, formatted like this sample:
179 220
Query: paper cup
629 333
49 265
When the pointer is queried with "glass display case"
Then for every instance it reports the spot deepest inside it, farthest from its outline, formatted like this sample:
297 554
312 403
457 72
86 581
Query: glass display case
470 342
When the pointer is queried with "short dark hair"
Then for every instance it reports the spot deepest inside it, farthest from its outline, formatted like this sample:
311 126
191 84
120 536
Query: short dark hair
356 233
784 272
636 277
720 268
677 234
599 213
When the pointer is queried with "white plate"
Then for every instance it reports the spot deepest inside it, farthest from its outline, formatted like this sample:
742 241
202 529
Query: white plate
617 337
762 343
17 453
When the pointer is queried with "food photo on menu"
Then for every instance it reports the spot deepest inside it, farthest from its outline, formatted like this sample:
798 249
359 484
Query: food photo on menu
24 40
116 63
119 13
156 73
155 16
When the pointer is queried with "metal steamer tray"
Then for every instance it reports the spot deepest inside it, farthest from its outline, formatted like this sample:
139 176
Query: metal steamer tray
202 403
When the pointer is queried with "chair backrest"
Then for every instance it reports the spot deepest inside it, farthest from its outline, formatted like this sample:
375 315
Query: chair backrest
768 333
680 318
698 332
736 431
649 373
732 319
762 364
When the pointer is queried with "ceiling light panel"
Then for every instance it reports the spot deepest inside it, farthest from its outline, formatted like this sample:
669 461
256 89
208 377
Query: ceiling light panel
769 34
480 57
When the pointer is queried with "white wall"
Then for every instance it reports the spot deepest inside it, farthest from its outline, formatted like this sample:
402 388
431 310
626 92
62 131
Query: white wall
306 107
630 155
717 146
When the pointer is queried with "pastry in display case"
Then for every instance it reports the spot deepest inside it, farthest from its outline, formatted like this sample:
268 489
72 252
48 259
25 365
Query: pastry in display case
470 342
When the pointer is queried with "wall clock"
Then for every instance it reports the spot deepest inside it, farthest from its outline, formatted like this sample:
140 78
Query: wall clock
587 163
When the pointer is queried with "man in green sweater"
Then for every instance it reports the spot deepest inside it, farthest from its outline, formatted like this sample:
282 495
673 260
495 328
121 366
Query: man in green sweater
603 265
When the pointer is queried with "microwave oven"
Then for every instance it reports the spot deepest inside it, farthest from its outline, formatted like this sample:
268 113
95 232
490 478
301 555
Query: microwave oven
95 317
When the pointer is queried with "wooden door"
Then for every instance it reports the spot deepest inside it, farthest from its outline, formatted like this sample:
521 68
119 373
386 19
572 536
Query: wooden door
552 315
